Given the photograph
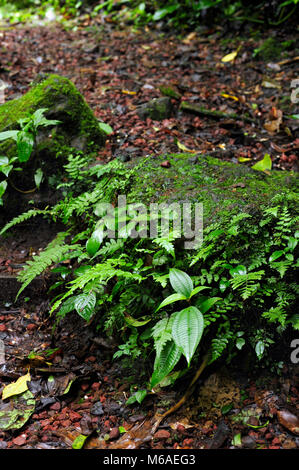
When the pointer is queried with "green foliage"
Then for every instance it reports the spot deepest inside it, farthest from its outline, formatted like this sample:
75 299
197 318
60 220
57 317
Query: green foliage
239 294
25 140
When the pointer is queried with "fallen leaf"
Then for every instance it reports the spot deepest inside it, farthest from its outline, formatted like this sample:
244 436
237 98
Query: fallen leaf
264 164
16 388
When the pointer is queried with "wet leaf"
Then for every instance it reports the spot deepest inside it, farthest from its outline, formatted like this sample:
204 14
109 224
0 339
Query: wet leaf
15 414
79 441
230 57
17 387
264 164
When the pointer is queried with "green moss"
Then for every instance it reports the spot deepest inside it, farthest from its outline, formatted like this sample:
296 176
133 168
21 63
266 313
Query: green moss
61 97
222 187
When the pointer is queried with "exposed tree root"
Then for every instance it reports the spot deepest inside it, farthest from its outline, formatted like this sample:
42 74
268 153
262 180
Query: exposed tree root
189 391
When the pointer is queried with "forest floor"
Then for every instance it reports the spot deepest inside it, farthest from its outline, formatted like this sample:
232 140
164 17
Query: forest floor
77 387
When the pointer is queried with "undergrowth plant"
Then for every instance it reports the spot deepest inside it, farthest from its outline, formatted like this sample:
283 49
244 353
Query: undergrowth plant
25 140
237 292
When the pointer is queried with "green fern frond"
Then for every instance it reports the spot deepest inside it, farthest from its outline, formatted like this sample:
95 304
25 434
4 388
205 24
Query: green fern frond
53 253
23 217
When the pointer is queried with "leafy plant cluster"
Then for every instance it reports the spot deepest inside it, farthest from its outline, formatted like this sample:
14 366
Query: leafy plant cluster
236 292
178 14
25 140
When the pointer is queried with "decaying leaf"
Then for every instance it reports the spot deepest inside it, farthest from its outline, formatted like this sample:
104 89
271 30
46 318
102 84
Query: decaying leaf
16 388
15 414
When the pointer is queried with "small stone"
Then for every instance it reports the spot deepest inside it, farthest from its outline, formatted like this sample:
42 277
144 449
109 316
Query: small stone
248 442
289 444
188 442
166 164
97 409
114 433
95 386
56 406
162 434
3 445
180 428
19 441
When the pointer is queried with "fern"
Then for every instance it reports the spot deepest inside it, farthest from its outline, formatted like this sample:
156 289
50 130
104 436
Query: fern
53 253
101 273
23 217
246 283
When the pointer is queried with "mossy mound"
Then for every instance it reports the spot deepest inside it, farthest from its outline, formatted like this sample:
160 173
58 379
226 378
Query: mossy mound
78 131
220 186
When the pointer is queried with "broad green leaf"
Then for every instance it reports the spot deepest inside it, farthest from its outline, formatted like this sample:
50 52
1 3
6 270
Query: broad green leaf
259 349
85 304
3 186
171 299
140 395
16 388
9 135
79 442
207 304
6 169
38 177
181 282
105 128
136 323
94 242
292 243
240 343
187 330
264 164
4 161
276 255
25 143
198 289
164 364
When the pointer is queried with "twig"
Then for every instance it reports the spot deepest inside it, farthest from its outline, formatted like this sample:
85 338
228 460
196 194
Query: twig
193 108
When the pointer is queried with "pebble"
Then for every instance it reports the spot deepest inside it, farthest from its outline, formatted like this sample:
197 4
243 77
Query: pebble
114 433
19 441
162 434
56 406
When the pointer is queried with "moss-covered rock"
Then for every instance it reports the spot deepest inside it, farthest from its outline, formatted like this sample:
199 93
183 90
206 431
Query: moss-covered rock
78 131
221 187
156 109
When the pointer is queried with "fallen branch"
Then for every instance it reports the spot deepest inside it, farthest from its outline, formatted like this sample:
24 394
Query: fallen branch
193 108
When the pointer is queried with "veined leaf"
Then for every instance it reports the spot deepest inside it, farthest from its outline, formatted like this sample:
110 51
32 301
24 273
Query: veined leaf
198 289
181 282
84 305
207 304
164 363
25 143
187 330
9 135
170 299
